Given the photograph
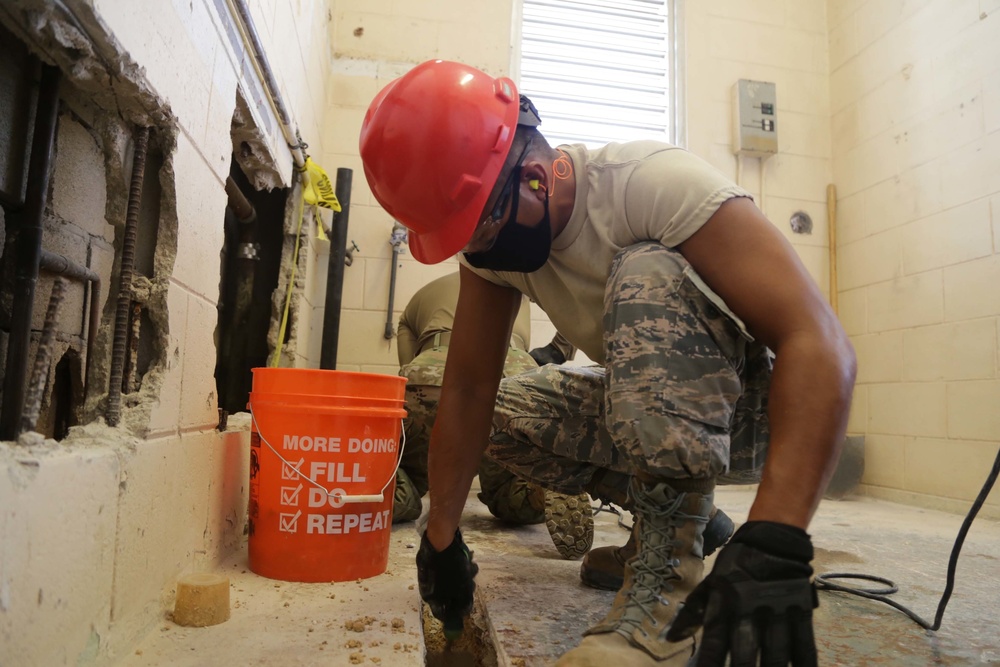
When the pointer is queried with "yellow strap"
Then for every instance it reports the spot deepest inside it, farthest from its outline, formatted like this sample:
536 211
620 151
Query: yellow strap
320 232
276 359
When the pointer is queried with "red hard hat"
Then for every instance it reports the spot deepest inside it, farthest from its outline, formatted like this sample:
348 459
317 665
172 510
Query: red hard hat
432 144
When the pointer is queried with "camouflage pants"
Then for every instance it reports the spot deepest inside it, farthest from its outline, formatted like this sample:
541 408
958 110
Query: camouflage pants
423 391
682 393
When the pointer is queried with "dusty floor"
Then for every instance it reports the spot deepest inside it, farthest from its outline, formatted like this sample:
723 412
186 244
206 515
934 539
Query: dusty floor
537 608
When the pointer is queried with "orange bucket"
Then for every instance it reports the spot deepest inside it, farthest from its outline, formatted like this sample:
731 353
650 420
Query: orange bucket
328 383
322 472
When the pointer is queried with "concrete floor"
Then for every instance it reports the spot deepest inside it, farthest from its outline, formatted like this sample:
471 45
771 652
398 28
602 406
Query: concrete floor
535 607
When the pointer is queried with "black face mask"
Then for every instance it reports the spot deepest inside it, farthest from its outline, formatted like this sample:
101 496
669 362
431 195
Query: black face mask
517 248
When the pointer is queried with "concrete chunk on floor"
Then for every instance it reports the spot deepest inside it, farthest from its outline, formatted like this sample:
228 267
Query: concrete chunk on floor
373 621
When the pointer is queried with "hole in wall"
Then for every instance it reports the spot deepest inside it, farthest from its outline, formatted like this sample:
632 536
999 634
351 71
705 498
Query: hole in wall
66 389
85 208
801 223
251 265
17 101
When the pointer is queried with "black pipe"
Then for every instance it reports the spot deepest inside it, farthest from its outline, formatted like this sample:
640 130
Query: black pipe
389 328
63 266
239 203
124 304
335 272
28 253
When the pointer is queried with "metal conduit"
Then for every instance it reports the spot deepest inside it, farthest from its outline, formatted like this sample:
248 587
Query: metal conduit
63 266
397 239
125 282
28 253
264 66
238 202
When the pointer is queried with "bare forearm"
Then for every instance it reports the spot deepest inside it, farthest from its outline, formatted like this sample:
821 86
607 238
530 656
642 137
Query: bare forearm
809 403
460 436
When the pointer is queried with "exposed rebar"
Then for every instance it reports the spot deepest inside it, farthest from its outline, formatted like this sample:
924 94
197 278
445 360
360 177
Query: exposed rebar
43 358
133 349
118 349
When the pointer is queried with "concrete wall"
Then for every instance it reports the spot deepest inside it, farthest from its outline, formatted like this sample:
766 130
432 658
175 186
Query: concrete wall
915 102
94 530
783 41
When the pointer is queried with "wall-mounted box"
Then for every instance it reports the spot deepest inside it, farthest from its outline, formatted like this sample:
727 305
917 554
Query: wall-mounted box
755 125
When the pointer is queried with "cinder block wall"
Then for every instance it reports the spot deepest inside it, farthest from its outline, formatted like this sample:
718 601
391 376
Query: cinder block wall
782 42
95 529
915 101
373 43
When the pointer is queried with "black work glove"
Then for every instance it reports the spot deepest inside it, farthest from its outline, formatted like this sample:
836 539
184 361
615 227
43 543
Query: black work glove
757 601
446 580
549 354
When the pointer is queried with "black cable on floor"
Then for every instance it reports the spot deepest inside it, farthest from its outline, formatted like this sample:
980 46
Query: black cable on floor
823 580
608 507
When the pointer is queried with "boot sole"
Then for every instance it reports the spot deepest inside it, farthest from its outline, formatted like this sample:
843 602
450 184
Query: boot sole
570 522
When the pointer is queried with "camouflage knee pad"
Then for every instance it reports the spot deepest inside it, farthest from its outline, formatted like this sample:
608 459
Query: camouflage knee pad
508 497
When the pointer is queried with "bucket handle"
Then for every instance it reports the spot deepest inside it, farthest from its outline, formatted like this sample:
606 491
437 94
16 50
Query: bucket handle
338 497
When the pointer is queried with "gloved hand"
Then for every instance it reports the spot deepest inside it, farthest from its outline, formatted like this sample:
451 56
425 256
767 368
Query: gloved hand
757 601
447 581
549 354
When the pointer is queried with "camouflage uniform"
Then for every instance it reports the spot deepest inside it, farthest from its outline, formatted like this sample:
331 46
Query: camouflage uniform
682 394
423 391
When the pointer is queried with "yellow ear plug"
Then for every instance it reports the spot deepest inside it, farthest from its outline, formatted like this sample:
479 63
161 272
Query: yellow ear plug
533 184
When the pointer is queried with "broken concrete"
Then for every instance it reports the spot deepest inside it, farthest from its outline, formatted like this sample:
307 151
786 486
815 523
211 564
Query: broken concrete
251 150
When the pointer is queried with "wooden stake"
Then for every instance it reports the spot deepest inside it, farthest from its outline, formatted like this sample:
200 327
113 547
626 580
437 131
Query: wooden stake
831 215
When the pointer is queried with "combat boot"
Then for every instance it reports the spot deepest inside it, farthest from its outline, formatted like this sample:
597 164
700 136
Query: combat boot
671 518
604 567
406 505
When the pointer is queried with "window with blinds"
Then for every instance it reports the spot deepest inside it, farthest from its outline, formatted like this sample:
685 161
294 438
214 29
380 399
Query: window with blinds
601 71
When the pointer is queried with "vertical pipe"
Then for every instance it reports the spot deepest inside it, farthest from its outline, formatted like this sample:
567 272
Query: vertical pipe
92 327
335 272
28 253
397 239
43 358
125 281
389 328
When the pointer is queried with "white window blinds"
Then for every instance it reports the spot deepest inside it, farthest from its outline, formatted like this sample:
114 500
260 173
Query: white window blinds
601 71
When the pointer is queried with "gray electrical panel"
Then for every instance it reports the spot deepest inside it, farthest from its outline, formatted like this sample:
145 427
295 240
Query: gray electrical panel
755 127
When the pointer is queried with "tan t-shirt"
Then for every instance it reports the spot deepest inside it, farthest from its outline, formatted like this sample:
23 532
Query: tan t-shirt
625 194
431 311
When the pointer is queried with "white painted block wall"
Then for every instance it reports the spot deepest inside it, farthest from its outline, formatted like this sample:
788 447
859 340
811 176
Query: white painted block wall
915 102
